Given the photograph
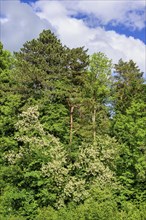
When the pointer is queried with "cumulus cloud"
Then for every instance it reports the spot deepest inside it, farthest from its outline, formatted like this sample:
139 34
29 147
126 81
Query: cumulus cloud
77 23
3 20
18 24
130 13
75 32
118 46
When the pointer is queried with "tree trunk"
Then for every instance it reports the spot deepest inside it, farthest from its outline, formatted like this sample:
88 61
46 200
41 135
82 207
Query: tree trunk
94 124
71 124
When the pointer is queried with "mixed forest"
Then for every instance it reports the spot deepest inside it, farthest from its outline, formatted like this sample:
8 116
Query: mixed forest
72 134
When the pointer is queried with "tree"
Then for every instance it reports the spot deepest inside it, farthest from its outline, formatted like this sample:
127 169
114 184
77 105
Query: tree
45 68
40 165
129 129
128 126
37 166
96 162
74 84
9 100
40 65
97 91
127 84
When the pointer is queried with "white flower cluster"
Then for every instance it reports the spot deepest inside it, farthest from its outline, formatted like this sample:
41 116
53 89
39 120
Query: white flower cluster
69 181
12 157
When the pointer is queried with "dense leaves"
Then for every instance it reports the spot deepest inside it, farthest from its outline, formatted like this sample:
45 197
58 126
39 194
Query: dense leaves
72 134
128 84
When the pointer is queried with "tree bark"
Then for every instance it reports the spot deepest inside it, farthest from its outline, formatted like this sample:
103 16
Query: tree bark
94 124
71 124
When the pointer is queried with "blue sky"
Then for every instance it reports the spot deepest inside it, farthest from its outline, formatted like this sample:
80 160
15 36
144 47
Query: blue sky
115 27
28 1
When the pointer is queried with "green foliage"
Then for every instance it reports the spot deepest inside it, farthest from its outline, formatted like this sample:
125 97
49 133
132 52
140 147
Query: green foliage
18 202
42 164
55 119
97 90
128 84
100 206
10 102
54 74
95 163
40 65
64 154
6 60
130 130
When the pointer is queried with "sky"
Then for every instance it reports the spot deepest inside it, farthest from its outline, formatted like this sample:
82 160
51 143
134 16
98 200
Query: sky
114 27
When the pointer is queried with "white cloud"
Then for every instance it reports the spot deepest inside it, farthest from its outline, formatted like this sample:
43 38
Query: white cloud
130 13
119 46
4 20
25 22
19 24
74 32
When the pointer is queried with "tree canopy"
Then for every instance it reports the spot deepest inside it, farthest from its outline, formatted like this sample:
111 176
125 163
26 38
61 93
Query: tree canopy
72 134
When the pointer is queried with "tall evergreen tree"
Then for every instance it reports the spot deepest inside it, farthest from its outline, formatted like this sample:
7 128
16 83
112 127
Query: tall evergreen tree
75 78
127 85
129 126
129 129
46 70
40 64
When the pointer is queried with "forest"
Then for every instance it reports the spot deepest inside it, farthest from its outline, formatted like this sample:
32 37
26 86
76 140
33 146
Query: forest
72 134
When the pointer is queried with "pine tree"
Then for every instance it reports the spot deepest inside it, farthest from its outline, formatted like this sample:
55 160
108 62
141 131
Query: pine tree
127 84
40 65
74 83
50 72
129 127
